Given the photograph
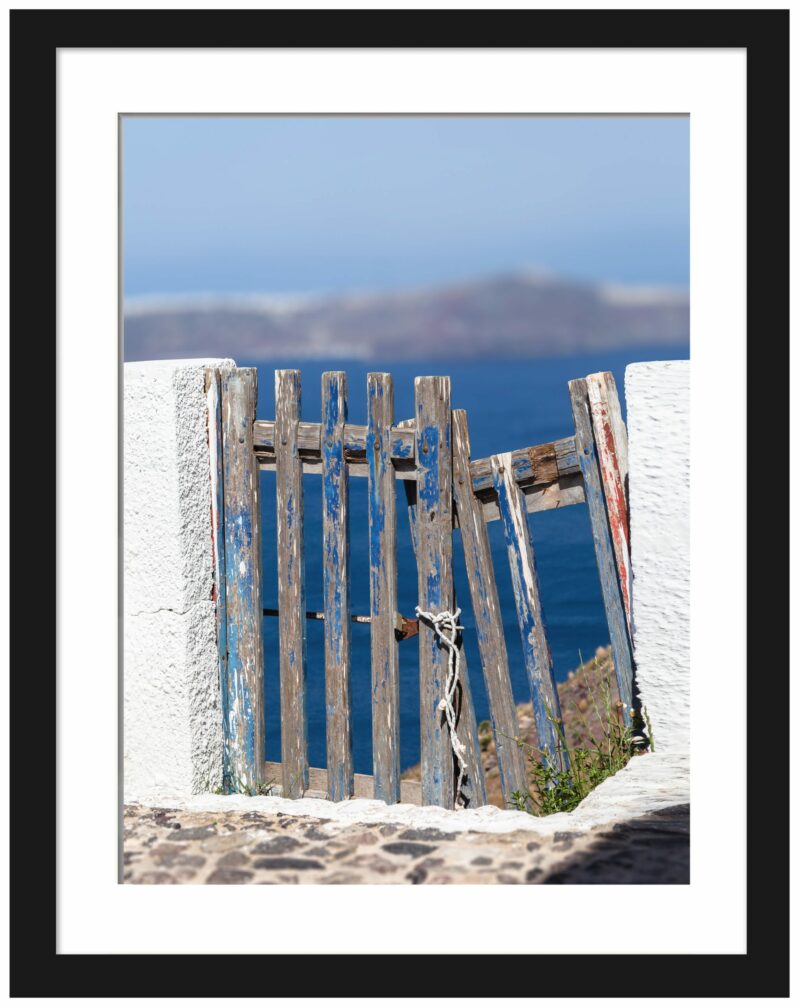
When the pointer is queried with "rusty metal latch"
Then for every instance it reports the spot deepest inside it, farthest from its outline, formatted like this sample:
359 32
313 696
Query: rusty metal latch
404 628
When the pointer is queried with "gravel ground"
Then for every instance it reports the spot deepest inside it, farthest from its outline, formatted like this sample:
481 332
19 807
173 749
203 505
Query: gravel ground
164 846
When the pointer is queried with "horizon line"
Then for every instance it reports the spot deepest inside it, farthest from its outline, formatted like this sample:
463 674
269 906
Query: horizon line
288 301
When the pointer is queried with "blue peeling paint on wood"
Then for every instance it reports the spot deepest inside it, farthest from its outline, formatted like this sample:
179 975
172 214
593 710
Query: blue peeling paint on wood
336 586
242 705
400 443
533 634
435 579
384 657
488 616
603 545
474 787
522 465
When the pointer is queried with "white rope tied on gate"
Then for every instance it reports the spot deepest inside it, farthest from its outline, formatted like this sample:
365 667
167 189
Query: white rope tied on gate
445 626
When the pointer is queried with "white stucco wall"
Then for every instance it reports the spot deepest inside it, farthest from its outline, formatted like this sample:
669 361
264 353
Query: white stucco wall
657 396
172 724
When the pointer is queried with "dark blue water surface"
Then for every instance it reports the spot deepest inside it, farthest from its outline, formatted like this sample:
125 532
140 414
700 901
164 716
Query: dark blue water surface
510 404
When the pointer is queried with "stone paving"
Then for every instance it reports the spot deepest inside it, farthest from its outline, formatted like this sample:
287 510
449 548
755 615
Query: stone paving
180 846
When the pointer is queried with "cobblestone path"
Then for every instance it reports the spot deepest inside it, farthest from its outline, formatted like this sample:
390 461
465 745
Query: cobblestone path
163 846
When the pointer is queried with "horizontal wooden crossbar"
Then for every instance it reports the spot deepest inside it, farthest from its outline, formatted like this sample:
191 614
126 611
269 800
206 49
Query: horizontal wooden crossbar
363 786
548 474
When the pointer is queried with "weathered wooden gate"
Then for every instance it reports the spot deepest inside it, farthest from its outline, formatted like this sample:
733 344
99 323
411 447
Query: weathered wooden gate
444 488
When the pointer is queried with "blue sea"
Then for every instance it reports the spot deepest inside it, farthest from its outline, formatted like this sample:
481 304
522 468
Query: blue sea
510 404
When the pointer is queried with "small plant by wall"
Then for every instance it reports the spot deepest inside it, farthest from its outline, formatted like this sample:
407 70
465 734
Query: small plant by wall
593 733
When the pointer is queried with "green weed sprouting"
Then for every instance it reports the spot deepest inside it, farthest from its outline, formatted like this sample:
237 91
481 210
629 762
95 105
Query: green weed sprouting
598 756
266 789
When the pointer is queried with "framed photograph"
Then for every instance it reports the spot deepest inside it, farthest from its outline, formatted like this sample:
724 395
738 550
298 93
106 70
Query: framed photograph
410 425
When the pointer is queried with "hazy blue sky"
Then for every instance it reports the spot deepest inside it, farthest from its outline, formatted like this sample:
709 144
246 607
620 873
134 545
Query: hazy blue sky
289 205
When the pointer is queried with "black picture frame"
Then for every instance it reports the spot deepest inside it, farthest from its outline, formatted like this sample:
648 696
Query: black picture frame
36 969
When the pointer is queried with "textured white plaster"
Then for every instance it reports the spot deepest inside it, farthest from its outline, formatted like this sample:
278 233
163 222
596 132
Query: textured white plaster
172 722
657 396
648 783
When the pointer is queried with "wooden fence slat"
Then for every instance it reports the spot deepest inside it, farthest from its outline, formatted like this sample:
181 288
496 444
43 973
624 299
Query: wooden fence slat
291 585
525 582
612 454
214 419
604 550
336 586
382 506
243 702
435 579
488 617
474 785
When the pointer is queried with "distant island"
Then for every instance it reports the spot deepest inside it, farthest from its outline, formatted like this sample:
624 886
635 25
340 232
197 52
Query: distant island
515 317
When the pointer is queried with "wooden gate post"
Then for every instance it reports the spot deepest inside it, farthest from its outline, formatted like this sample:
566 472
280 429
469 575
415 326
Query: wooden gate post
488 617
611 440
603 543
384 656
291 585
525 582
242 694
474 787
435 579
336 577
213 387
